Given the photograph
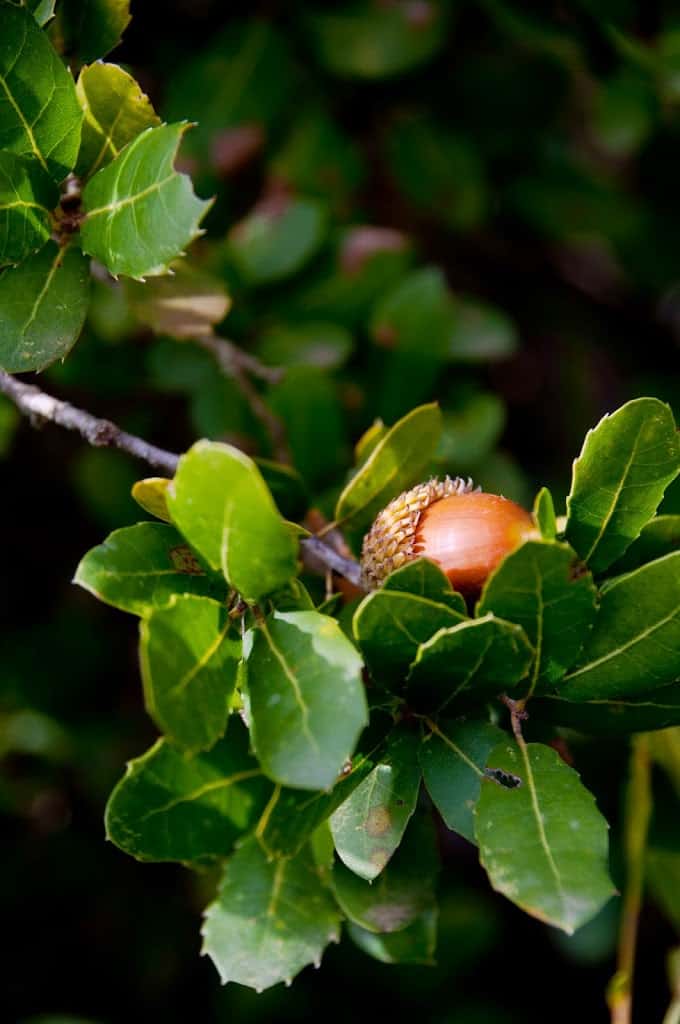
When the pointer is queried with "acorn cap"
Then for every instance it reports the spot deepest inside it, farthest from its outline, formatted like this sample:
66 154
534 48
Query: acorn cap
390 542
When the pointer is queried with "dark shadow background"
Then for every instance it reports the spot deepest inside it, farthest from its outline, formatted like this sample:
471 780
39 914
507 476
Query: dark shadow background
573 174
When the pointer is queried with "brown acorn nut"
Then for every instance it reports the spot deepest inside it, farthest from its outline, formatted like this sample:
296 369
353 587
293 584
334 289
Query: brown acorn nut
464 530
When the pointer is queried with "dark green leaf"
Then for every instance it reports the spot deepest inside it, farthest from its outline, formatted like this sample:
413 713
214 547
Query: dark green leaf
39 112
635 644
415 944
367 828
116 111
270 918
404 889
425 579
544 514
626 463
308 404
367 40
27 197
240 85
394 464
306 698
287 488
411 323
439 171
271 244
475 660
657 709
222 506
453 757
189 665
126 203
662 872
43 303
659 537
390 626
542 587
292 815
543 842
171 806
142 566
91 28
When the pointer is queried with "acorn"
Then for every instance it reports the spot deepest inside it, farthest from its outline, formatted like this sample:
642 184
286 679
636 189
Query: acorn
465 531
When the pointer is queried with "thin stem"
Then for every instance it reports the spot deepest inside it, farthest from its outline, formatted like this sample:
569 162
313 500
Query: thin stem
238 365
38 405
517 716
637 815
673 1011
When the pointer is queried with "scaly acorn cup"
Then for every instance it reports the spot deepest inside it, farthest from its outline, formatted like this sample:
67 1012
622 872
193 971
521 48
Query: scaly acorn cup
465 531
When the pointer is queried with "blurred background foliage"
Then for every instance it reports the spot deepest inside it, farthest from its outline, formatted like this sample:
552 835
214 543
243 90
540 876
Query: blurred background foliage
415 199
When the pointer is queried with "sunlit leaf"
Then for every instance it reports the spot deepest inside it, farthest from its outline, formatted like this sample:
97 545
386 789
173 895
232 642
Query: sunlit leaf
543 841
127 226
270 918
306 698
626 463
116 111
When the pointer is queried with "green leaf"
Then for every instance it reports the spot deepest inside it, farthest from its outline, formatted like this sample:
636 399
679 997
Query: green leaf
475 660
143 566
184 305
270 918
626 463
471 432
127 226
415 944
390 626
367 828
172 806
659 537
43 303
453 757
42 10
662 873
657 709
270 244
412 322
395 463
544 514
404 890
542 586
438 170
306 698
39 113
292 815
367 40
481 333
91 28
223 507
635 644
116 111
287 488
189 665
543 842
424 578
323 345
27 197
151 495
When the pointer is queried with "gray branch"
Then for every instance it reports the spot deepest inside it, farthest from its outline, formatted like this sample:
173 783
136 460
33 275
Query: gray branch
41 407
